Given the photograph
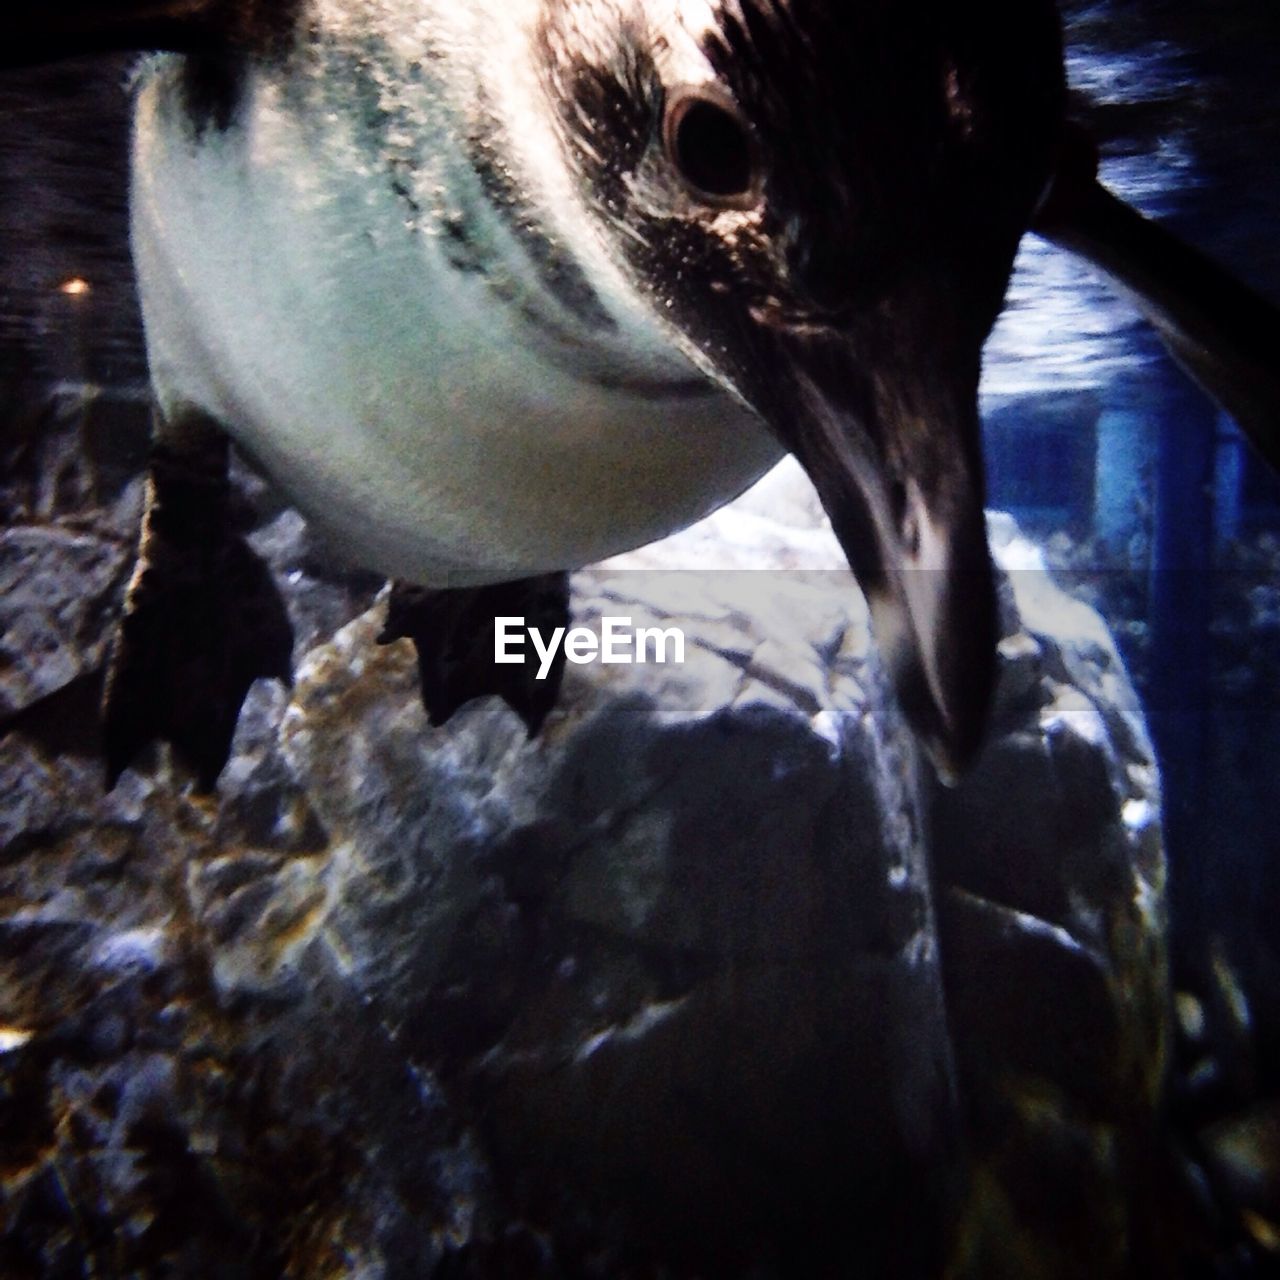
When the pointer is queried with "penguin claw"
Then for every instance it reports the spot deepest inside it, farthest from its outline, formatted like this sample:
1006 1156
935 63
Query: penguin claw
452 630
203 620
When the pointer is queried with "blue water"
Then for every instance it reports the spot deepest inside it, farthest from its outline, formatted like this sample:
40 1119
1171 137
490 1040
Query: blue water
1140 487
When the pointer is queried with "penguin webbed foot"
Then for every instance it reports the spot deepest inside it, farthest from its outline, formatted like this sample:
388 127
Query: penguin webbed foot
202 621
453 629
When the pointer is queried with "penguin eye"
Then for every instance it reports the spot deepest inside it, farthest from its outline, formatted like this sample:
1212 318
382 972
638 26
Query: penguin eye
710 145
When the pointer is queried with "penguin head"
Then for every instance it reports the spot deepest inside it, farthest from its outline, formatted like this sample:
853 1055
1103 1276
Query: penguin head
825 200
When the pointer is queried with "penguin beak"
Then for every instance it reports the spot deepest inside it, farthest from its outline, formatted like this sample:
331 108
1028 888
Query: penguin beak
893 447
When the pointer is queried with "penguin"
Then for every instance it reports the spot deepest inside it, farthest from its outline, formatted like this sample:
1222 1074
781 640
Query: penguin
494 289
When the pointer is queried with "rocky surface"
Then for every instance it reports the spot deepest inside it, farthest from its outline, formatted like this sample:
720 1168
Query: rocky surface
711 978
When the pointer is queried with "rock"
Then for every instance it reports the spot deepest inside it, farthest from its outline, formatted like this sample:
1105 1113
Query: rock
1049 872
75 452
1244 1152
641 965
58 589
71 498
709 978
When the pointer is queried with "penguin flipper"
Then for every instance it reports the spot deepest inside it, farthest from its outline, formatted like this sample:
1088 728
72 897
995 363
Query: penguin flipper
453 632
56 29
202 618
1226 336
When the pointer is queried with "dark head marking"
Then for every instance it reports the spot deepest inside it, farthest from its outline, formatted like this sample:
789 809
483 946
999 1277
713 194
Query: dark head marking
860 141
220 49
825 198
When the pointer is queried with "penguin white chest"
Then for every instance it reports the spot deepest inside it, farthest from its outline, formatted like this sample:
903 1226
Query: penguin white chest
439 400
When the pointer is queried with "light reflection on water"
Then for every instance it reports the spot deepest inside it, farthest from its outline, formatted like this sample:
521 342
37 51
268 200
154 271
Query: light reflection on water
1063 329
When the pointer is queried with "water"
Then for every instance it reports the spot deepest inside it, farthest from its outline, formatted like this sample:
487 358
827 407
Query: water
63 217
1151 501
1142 494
